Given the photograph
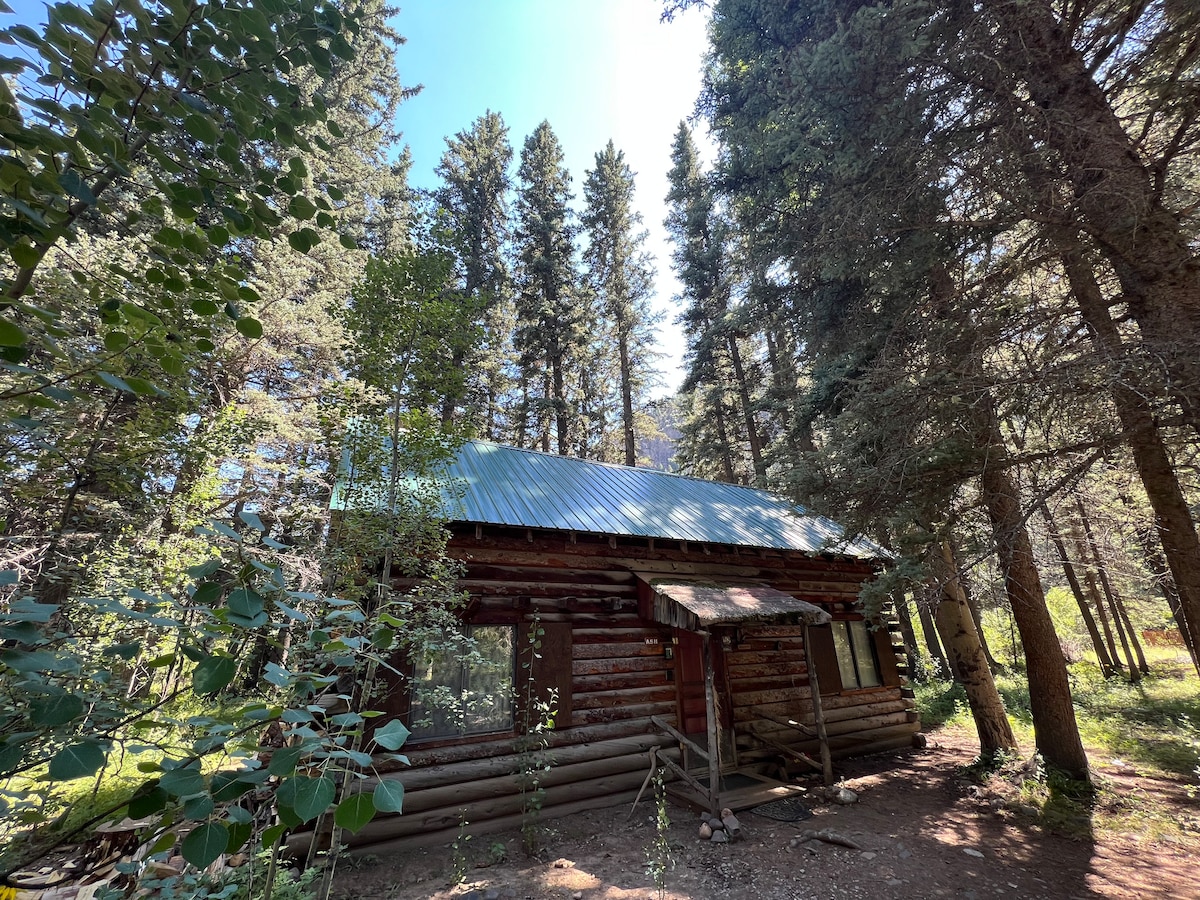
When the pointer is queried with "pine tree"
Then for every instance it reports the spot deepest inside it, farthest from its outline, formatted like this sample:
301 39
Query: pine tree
549 337
621 275
701 259
473 201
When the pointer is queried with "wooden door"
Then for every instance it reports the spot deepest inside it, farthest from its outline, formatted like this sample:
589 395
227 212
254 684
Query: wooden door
689 675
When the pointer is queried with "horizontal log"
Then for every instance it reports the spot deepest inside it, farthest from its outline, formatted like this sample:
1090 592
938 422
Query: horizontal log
744 658
610 699
417 779
794 667
636 710
474 790
616 650
626 681
475 812
631 632
751 748
535 573
660 561
788 694
767 683
774 632
622 665
489 588
298 843
558 738
901 742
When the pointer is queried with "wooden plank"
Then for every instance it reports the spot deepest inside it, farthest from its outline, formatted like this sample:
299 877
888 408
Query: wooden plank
623 665
615 650
661 561
818 712
684 776
609 699
795 754
630 632
710 704
630 711
679 736
626 681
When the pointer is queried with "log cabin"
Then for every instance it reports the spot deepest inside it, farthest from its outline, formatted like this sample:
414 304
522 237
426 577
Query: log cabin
709 629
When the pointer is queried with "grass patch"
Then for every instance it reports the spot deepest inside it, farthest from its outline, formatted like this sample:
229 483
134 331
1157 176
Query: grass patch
1153 726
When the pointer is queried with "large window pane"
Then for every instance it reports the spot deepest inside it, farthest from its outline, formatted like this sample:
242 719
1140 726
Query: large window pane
459 691
856 659
845 655
864 657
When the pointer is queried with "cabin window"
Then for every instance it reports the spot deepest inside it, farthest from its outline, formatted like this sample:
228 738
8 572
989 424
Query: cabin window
460 689
855 655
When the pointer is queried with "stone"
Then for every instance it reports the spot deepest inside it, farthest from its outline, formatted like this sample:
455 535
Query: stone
719 837
731 823
920 741
844 796
706 831
972 852
867 854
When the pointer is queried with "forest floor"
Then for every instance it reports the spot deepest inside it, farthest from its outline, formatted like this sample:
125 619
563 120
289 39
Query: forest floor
926 826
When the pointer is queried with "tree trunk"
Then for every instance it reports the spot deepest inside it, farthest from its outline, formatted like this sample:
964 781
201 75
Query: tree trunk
929 630
561 411
1102 658
723 436
626 399
1166 584
904 614
968 662
1115 196
743 389
977 617
1176 528
1135 672
1057 733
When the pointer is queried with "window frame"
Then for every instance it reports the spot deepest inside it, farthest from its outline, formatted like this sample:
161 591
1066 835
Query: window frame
843 637
463 736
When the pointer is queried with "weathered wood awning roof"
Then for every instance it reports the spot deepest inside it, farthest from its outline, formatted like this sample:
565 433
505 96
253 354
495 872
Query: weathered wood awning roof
694 604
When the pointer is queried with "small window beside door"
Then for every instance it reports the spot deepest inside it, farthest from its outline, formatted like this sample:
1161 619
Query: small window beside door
857 663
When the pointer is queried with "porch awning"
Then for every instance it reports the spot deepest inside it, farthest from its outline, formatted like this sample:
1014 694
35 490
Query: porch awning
694 604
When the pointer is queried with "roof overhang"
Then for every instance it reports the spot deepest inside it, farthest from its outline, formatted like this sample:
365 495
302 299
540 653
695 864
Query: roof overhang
695 604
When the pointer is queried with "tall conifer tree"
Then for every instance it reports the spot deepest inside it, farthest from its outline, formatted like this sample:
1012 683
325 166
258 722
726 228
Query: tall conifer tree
549 336
621 275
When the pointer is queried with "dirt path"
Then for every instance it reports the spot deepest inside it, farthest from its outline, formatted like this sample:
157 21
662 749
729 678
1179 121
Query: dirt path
925 831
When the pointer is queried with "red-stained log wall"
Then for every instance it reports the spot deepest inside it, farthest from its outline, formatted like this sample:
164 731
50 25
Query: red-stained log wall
615 670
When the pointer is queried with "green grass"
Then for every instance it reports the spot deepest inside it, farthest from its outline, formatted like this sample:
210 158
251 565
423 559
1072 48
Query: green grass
1153 725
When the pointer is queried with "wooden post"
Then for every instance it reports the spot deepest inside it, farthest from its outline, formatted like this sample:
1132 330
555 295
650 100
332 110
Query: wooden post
814 686
710 705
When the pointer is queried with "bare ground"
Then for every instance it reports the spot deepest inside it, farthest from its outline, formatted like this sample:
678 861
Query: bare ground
925 831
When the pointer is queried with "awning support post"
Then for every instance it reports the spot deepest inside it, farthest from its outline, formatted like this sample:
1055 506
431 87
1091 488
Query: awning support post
710 705
814 685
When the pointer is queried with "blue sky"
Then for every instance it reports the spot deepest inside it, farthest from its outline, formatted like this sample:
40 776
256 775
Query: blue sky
595 69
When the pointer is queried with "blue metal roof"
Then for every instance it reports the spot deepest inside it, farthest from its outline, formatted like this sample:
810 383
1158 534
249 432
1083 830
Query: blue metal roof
496 485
